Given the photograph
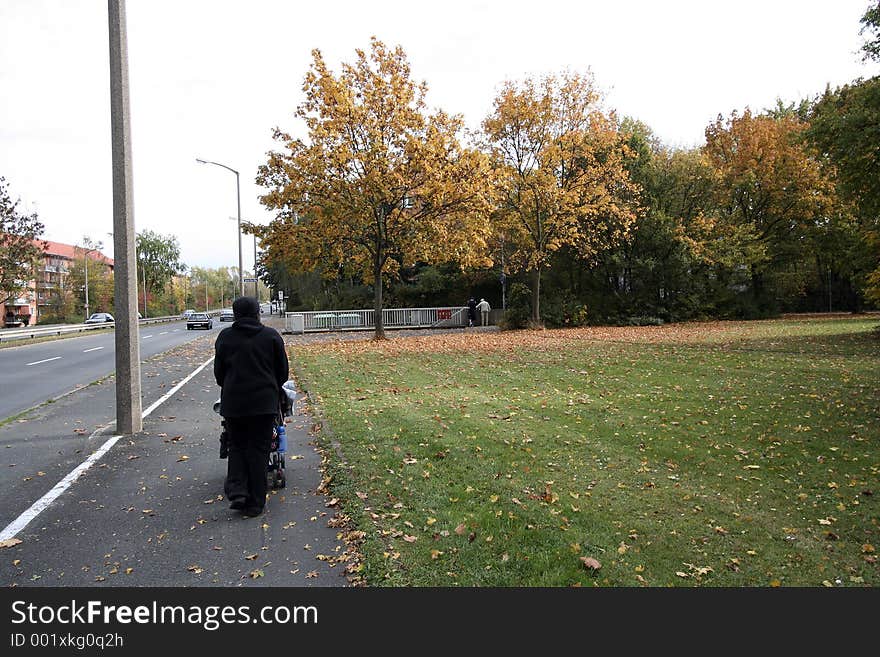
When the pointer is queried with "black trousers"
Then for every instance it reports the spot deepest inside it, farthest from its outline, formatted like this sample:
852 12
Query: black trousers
249 439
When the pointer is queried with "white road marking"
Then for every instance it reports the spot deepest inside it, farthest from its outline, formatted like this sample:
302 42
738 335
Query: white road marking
163 332
46 360
43 503
146 336
85 351
175 330
165 397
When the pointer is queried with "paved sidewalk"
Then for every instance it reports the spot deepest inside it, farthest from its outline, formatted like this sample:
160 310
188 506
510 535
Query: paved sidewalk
151 512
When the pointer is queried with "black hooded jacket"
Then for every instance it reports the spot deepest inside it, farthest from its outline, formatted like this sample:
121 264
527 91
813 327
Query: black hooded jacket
250 366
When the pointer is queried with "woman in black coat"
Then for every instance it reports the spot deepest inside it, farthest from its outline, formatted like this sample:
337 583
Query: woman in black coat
250 366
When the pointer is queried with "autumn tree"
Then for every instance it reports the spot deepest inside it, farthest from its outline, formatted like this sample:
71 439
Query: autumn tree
770 189
158 259
379 183
560 172
100 278
20 247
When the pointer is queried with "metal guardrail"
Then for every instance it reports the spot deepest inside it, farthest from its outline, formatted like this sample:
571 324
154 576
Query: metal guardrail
364 320
9 335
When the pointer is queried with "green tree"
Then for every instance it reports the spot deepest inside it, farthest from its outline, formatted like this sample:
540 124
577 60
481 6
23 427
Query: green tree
380 183
158 259
20 248
100 278
871 26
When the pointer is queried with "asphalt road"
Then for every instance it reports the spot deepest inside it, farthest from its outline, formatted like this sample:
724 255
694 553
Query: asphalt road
32 374
151 511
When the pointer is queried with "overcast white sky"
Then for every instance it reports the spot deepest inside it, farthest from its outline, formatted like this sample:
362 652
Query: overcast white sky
211 78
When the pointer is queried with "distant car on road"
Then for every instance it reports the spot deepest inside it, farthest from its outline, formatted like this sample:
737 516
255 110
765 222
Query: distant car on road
186 313
100 318
226 315
199 320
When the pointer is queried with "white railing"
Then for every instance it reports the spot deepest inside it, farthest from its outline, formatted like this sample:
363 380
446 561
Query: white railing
365 320
8 335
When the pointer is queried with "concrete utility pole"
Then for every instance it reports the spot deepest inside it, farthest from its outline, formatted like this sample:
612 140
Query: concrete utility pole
128 354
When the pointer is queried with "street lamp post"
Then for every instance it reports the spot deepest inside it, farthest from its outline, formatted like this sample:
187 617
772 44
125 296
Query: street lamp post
256 282
238 198
86 267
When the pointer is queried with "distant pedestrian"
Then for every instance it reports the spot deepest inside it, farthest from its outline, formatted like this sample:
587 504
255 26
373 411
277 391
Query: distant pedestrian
250 367
472 311
484 309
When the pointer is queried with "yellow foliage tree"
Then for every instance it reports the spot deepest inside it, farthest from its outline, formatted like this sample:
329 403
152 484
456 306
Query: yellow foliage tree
689 197
380 183
768 184
560 174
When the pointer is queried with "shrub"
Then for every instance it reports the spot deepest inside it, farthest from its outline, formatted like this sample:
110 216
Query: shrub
519 307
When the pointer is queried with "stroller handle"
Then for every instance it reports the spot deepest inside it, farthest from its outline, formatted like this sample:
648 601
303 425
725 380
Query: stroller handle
289 390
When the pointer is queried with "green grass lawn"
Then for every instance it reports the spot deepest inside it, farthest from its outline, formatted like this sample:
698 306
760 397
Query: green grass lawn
724 454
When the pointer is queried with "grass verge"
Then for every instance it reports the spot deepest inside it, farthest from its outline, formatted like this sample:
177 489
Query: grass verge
722 454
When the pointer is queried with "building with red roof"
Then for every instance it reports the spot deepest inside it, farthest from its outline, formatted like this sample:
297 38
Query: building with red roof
49 279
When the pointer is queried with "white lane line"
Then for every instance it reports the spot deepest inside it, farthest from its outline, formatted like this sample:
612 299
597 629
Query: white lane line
163 332
43 503
85 351
175 330
146 336
46 360
165 397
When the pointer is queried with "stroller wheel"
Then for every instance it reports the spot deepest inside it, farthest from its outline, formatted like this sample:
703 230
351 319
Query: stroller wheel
281 479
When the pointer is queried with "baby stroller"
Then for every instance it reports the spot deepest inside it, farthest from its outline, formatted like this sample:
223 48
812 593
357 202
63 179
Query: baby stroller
277 446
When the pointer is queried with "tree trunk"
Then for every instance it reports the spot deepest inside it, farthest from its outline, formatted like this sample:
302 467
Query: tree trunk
536 296
377 306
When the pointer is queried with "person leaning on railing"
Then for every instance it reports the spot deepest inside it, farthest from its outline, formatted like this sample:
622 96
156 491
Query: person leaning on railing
484 309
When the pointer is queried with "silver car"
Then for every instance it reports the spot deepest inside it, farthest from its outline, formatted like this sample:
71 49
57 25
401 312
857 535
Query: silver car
199 320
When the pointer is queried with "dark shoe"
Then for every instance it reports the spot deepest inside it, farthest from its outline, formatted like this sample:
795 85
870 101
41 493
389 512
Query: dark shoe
252 511
237 504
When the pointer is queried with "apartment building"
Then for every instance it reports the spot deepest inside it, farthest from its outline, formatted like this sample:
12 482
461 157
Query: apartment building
50 277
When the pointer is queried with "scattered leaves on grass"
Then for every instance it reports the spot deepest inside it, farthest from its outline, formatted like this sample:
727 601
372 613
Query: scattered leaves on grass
590 563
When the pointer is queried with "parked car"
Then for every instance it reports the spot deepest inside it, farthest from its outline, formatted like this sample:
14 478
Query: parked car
186 313
199 320
100 318
226 315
